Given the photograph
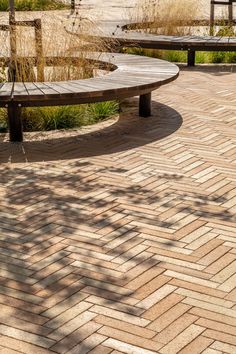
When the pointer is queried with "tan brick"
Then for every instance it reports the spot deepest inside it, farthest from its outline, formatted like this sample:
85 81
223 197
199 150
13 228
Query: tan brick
191 279
207 298
156 296
217 326
175 328
21 346
198 288
210 307
72 325
100 349
229 284
26 336
144 278
223 347
225 273
206 245
221 263
214 255
182 340
68 315
75 337
130 338
124 347
197 345
219 336
213 316
120 316
211 351
168 317
162 306
88 344
124 326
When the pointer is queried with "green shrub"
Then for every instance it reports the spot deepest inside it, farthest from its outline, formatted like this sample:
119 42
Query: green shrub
33 5
179 56
62 117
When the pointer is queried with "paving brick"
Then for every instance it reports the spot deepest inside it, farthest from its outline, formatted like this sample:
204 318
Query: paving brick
162 306
156 296
21 346
70 326
124 347
26 336
88 344
175 328
197 345
168 317
124 326
216 326
223 347
120 315
120 237
152 286
182 340
130 338
219 336
75 337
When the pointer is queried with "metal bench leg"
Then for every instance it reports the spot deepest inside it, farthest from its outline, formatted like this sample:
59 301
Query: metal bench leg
191 57
145 105
15 122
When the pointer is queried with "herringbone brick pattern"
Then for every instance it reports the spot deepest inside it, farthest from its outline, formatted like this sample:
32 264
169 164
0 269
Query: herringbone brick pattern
121 239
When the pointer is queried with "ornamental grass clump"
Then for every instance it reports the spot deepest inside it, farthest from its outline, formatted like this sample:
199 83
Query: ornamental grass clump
34 5
169 17
178 17
63 56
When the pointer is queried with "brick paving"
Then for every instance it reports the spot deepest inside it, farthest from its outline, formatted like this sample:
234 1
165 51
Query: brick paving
120 238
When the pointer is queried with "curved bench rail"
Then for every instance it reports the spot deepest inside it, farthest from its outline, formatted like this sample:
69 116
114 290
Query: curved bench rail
134 76
124 37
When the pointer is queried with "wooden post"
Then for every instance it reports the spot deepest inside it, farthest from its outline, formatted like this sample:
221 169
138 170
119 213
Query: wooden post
39 49
212 18
13 49
145 105
191 57
72 4
230 12
15 122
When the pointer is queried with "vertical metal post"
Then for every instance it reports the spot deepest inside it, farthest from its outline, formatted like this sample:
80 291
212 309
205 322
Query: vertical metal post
145 105
15 122
191 57
12 29
39 49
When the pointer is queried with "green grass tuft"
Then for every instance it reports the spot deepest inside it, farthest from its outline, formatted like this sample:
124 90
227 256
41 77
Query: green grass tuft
34 5
62 117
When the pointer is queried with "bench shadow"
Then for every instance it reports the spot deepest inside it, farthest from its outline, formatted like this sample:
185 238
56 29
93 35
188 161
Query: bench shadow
129 132
211 69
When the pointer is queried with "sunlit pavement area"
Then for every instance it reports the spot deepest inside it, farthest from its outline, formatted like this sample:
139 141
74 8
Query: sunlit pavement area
120 238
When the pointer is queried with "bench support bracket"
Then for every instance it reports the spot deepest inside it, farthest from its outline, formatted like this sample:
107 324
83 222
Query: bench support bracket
15 122
145 105
191 57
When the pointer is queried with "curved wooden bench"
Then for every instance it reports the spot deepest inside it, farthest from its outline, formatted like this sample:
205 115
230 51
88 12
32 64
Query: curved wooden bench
133 76
191 44
125 37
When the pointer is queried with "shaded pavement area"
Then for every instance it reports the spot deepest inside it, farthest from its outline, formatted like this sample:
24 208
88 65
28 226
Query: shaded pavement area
120 238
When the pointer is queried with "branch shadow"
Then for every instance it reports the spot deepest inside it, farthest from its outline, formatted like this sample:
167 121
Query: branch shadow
70 235
128 132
